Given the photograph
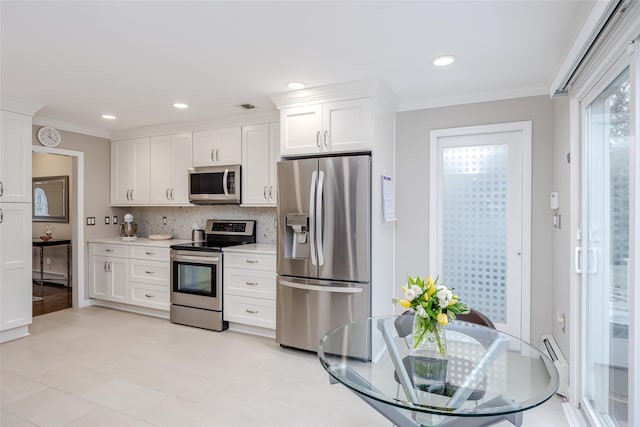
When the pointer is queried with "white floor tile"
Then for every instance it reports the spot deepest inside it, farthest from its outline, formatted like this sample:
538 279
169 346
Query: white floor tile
104 417
15 387
123 396
10 420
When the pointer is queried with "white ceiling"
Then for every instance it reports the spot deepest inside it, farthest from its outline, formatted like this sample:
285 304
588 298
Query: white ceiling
135 59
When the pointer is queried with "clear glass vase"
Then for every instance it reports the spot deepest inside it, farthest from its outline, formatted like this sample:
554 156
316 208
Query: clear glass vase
428 355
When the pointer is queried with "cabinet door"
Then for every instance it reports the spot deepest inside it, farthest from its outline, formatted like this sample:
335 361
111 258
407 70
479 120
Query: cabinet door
204 148
301 131
119 280
121 164
181 146
141 173
274 158
15 157
160 158
347 125
15 265
255 164
99 277
229 146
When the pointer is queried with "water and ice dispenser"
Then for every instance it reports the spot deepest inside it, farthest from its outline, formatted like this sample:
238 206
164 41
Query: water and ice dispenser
297 236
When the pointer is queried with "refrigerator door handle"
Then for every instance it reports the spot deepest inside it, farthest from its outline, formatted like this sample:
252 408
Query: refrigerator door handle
344 290
320 218
312 218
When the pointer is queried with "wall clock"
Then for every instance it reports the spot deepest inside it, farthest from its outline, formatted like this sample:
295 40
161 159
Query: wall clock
48 136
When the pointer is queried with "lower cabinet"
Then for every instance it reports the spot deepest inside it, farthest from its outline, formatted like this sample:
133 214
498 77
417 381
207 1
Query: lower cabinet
135 275
250 289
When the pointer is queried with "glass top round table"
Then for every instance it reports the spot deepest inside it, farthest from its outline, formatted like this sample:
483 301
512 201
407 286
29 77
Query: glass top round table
487 373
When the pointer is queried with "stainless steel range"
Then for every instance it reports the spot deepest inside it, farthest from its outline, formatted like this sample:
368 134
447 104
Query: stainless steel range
196 274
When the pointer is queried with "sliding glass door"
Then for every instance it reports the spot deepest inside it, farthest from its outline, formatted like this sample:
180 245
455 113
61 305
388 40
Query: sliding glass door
608 141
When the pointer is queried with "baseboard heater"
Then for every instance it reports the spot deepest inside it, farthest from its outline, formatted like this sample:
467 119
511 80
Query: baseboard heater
550 348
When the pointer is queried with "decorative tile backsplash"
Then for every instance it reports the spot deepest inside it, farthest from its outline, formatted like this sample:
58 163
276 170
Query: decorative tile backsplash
181 218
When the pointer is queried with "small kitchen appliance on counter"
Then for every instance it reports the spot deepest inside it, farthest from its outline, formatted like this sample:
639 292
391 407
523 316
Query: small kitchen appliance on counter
196 273
128 229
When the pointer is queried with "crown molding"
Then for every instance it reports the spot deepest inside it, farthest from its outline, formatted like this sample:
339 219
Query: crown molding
22 107
337 92
535 90
70 127
240 119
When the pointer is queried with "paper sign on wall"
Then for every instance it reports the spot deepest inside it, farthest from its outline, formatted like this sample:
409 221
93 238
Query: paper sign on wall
388 199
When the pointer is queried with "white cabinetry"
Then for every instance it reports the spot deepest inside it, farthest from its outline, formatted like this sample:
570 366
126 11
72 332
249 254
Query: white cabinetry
331 127
250 289
217 147
260 154
15 225
130 172
15 158
130 274
149 277
170 160
109 272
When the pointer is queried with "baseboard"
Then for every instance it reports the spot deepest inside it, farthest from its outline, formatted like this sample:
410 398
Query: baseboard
132 309
573 415
253 330
14 334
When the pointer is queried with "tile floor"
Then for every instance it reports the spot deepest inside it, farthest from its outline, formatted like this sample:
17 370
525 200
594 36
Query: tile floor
101 367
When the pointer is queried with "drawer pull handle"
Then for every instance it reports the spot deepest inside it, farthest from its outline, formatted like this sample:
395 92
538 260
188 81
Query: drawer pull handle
251 283
149 296
252 311
150 272
251 261
108 250
149 253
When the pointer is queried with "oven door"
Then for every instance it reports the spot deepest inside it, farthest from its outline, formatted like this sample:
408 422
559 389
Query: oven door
196 279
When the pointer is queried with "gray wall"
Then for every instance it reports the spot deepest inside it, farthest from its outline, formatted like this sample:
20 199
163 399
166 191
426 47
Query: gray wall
562 253
412 188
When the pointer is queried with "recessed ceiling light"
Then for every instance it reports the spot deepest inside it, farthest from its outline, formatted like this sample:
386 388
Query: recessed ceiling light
296 85
109 116
441 61
180 105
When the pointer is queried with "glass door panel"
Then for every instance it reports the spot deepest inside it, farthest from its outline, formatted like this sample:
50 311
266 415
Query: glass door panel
606 253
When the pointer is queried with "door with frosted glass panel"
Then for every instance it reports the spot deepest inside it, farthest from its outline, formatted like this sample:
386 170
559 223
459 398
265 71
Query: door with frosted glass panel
605 238
477 198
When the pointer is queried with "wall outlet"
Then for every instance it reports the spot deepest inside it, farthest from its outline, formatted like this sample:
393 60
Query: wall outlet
91 220
115 219
107 220
164 220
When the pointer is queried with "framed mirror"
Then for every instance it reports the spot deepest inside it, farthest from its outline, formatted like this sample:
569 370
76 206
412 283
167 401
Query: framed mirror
50 197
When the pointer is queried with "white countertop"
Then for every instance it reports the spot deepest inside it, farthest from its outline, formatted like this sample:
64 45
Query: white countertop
140 241
253 248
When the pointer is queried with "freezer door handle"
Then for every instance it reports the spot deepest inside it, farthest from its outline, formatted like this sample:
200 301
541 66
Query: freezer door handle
306 287
312 219
319 218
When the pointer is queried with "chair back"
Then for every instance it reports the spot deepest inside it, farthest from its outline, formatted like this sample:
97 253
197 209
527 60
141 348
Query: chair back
474 316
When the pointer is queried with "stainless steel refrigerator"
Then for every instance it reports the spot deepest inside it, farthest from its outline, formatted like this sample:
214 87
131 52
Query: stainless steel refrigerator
324 249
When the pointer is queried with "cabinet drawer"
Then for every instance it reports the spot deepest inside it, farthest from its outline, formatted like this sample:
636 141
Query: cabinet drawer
109 250
152 296
148 252
250 261
250 283
154 272
250 311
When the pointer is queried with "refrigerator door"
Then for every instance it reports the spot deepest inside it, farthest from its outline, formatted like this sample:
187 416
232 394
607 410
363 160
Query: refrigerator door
297 183
343 220
308 309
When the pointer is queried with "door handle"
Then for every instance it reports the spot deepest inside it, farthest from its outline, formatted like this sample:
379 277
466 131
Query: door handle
172 198
132 194
264 192
271 191
576 260
213 155
326 136
218 154
318 139
167 194
312 219
1 188
1 216
338 289
224 182
106 268
320 218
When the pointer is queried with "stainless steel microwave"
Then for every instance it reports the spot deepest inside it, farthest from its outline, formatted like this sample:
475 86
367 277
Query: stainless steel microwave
214 185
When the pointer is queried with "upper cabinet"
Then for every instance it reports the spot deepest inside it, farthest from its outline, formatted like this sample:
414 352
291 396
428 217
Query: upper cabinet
217 147
130 172
15 157
260 154
170 163
330 127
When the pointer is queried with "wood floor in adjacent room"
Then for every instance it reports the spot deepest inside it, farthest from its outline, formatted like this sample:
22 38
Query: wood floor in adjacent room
99 367
50 298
